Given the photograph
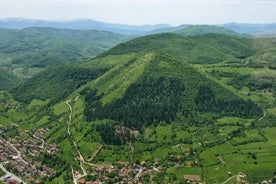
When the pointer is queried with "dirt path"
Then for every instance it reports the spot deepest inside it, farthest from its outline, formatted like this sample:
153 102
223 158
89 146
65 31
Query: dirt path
221 160
69 122
229 179
262 116
82 161
95 153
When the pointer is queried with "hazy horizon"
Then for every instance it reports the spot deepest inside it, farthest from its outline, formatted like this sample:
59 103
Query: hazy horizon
142 12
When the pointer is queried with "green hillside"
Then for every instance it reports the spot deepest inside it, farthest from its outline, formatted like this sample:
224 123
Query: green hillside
8 80
265 53
154 109
167 89
204 29
193 30
40 47
209 48
55 83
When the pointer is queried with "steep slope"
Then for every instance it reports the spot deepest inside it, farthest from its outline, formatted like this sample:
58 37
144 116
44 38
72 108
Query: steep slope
208 48
8 80
164 89
55 83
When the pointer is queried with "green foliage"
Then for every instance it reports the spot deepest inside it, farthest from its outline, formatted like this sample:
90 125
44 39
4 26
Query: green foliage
8 80
2 173
42 47
204 29
150 99
108 133
161 95
208 48
55 83
207 101
255 82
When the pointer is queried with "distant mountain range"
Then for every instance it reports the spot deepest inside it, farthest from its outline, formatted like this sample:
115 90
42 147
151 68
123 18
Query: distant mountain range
21 23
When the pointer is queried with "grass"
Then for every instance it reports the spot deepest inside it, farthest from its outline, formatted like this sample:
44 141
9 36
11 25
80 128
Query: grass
2 173
35 104
69 153
115 87
4 120
60 108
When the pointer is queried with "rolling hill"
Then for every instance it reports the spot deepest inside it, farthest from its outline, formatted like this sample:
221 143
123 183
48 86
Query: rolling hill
208 48
41 47
192 30
204 29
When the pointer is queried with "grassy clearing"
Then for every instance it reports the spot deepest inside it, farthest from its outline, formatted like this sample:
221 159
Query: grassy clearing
115 87
60 108
36 104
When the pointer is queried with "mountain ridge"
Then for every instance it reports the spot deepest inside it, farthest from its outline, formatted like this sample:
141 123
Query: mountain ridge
20 23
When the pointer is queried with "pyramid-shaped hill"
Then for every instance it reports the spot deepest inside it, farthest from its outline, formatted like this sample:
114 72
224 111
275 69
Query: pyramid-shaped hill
146 80
154 87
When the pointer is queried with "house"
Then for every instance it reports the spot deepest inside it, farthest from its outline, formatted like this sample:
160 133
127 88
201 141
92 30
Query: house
82 181
12 181
143 164
155 164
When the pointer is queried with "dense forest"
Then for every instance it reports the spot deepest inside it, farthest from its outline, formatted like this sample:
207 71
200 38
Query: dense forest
149 100
55 83
42 47
8 80
207 101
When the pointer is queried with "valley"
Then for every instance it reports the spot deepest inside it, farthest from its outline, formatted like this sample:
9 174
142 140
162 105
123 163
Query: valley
161 108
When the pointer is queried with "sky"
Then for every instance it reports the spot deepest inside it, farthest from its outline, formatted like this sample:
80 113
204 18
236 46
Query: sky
138 12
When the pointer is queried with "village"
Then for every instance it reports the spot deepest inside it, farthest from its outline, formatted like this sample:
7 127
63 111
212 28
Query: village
17 156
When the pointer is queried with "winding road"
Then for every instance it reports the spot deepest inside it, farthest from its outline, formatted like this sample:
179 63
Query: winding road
82 161
69 123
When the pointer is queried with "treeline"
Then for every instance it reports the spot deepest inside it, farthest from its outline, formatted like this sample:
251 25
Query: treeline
258 82
145 102
108 134
207 101
55 83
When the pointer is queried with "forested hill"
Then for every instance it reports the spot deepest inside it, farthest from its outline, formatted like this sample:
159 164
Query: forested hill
203 49
162 88
192 30
41 47
204 29
8 80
